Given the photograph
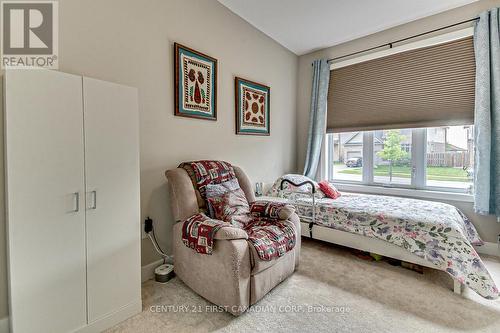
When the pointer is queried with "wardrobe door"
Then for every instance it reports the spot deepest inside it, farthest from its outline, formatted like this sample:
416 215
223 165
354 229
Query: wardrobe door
45 200
112 182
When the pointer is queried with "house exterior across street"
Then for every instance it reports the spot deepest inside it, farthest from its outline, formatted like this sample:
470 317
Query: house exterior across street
444 147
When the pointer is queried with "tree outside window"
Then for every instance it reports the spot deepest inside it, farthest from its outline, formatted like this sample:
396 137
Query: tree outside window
393 151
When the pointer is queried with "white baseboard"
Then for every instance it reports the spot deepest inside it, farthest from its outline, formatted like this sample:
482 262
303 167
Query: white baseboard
114 318
489 248
4 325
148 271
100 325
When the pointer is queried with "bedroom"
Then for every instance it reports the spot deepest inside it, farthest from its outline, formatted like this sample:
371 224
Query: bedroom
271 46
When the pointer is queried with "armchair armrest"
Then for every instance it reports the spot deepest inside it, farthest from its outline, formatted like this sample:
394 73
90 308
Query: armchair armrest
223 277
230 233
275 210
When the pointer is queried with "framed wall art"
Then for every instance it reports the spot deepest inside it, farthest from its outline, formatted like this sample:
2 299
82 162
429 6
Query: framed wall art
252 103
195 84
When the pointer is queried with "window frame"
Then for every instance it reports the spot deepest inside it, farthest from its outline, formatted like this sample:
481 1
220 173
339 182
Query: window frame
418 185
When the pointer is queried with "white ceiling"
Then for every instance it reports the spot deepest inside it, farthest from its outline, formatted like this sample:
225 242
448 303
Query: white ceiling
303 26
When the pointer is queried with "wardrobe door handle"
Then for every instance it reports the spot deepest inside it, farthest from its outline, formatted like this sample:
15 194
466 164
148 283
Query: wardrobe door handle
77 202
94 200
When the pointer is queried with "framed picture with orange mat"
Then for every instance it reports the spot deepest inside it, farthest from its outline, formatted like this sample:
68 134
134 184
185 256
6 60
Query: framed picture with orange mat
195 84
252 107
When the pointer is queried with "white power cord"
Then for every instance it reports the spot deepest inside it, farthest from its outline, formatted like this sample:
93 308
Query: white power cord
166 257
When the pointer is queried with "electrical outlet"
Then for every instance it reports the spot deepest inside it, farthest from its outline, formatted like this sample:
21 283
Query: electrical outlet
146 227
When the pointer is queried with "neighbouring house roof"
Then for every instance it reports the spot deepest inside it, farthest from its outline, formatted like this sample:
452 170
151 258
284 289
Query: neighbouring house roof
450 147
352 142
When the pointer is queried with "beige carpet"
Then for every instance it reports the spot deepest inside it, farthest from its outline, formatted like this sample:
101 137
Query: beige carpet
349 295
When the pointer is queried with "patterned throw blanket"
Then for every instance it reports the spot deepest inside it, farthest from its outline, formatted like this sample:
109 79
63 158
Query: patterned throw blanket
270 237
433 231
198 233
267 209
210 172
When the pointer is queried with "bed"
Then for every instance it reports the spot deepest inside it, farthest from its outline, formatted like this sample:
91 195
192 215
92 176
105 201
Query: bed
426 233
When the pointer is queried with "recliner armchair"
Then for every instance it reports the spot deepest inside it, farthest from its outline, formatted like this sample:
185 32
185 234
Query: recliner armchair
233 277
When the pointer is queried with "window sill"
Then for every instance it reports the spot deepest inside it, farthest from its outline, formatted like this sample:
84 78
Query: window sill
404 192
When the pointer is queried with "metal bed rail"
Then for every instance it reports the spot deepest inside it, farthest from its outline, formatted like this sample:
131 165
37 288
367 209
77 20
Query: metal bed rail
312 218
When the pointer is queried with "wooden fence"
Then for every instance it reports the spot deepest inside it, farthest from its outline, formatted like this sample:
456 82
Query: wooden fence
457 159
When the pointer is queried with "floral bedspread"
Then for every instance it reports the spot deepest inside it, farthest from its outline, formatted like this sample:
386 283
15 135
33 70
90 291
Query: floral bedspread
436 232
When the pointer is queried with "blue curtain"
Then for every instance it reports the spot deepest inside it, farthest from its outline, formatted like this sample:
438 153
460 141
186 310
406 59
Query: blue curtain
487 114
317 117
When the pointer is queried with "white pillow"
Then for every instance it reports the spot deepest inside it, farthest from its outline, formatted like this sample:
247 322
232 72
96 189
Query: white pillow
275 190
217 190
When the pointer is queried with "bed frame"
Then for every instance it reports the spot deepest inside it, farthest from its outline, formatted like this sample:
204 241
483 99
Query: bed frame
367 244
315 231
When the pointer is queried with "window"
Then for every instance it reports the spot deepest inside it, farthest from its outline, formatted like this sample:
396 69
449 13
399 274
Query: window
346 156
392 157
450 157
437 158
402 117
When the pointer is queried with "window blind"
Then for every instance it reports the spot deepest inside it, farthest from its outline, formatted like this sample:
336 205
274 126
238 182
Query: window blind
426 87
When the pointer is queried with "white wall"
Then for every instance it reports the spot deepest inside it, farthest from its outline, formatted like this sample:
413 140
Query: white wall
131 42
487 227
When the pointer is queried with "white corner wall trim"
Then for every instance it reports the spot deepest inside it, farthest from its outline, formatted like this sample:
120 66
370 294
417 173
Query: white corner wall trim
148 271
4 325
489 248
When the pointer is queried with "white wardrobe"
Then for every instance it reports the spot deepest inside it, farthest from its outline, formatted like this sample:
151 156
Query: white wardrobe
72 189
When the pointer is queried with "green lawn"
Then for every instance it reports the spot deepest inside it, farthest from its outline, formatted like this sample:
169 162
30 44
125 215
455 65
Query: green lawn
433 173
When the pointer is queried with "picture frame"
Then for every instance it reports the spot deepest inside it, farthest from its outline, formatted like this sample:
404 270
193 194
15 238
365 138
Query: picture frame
252 107
195 84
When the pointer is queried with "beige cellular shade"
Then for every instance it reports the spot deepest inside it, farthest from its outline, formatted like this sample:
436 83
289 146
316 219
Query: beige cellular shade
432 86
